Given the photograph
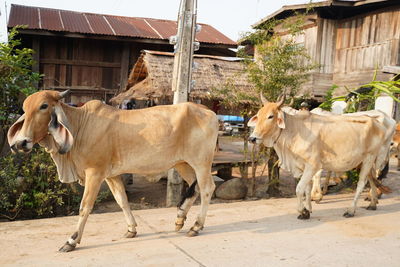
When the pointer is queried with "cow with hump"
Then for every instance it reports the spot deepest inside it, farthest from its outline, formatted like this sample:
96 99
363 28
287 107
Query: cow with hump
97 142
306 143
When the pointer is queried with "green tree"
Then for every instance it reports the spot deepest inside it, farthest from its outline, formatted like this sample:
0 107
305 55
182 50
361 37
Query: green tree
29 184
16 80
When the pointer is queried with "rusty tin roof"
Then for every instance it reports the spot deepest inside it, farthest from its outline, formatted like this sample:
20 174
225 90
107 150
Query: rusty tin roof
39 18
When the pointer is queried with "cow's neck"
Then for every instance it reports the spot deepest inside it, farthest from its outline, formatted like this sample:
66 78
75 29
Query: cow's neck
284 141
76 118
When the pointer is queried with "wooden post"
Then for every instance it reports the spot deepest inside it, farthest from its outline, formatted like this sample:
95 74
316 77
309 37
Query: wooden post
124 68
182 79
36 56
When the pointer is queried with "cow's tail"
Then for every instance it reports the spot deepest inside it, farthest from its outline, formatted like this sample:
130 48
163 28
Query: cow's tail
189 193
384 189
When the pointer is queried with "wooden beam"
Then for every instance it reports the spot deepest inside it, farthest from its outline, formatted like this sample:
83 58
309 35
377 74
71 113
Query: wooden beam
391 69
81 63
36 57
124 73
115 38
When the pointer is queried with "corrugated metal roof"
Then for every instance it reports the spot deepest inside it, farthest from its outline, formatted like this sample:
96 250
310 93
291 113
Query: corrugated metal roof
89 23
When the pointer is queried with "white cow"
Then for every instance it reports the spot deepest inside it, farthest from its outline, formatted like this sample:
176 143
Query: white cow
307 143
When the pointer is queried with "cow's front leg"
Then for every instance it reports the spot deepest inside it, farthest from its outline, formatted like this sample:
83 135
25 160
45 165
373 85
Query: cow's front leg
302 187
92 186
118 190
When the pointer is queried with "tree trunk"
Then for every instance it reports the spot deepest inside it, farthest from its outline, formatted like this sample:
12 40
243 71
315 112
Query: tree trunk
273 174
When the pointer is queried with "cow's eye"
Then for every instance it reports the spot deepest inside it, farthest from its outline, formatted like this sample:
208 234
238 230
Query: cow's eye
270 117
44 106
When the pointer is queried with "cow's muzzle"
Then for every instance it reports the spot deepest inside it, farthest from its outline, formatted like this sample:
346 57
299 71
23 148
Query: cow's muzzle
24 145
252 139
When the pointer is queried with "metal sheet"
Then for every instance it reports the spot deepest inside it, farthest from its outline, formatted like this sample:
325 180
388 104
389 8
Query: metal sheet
77 22
50 20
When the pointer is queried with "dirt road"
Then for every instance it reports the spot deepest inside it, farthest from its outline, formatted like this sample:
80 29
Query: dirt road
250 233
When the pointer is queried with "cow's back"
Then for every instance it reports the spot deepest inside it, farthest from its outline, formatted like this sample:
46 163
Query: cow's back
147 140
345 141
336 143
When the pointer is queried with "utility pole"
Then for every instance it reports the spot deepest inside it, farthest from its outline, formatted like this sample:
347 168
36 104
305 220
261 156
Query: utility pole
182 78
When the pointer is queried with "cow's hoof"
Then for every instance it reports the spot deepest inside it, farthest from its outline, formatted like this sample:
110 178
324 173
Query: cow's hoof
348 214
367 199
178 227
130 234
370 207
192 233
67 247
304 215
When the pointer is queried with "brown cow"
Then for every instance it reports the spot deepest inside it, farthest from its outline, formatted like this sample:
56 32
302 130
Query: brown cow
396 144
97 142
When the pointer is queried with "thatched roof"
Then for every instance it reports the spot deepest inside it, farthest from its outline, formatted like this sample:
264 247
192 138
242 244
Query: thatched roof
151 76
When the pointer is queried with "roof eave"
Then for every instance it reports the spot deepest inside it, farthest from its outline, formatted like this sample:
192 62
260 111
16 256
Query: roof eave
290 8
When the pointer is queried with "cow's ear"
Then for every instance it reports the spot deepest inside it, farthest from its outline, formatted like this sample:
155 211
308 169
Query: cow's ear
14 129
280 120
60 130
253 121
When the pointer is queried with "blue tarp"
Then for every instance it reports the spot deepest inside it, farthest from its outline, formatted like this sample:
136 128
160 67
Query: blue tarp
230 118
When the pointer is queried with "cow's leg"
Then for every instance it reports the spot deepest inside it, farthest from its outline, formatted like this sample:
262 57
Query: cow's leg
301 188
326 183
184 206
373 193
92 187
362 180
316 193
308 196
398 156
206 186
118 190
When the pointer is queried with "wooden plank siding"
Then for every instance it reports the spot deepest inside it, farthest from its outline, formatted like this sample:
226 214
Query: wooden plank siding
350 50
84 65
374 43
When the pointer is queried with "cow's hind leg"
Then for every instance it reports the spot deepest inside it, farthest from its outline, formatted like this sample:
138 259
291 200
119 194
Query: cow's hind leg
118 190
191 195
92 187
373 194
308 197
206 186
362 180
316 193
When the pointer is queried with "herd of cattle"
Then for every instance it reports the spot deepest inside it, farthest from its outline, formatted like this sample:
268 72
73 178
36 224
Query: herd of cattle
97 142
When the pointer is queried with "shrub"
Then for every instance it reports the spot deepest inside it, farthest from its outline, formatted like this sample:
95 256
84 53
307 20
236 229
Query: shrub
31 189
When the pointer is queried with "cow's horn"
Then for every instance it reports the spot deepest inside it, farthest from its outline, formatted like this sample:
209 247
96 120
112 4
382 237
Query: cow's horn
263 99
281 100
65 93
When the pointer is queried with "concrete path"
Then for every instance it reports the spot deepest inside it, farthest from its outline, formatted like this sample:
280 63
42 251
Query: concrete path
252 233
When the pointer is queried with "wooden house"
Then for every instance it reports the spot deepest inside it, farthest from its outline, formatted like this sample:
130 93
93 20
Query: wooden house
92 54
151 79
350 39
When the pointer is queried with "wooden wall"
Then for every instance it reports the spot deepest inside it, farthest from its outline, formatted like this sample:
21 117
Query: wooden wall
89 67
350 50
365 43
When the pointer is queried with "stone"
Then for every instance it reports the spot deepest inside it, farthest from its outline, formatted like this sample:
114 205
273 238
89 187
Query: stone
232 189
